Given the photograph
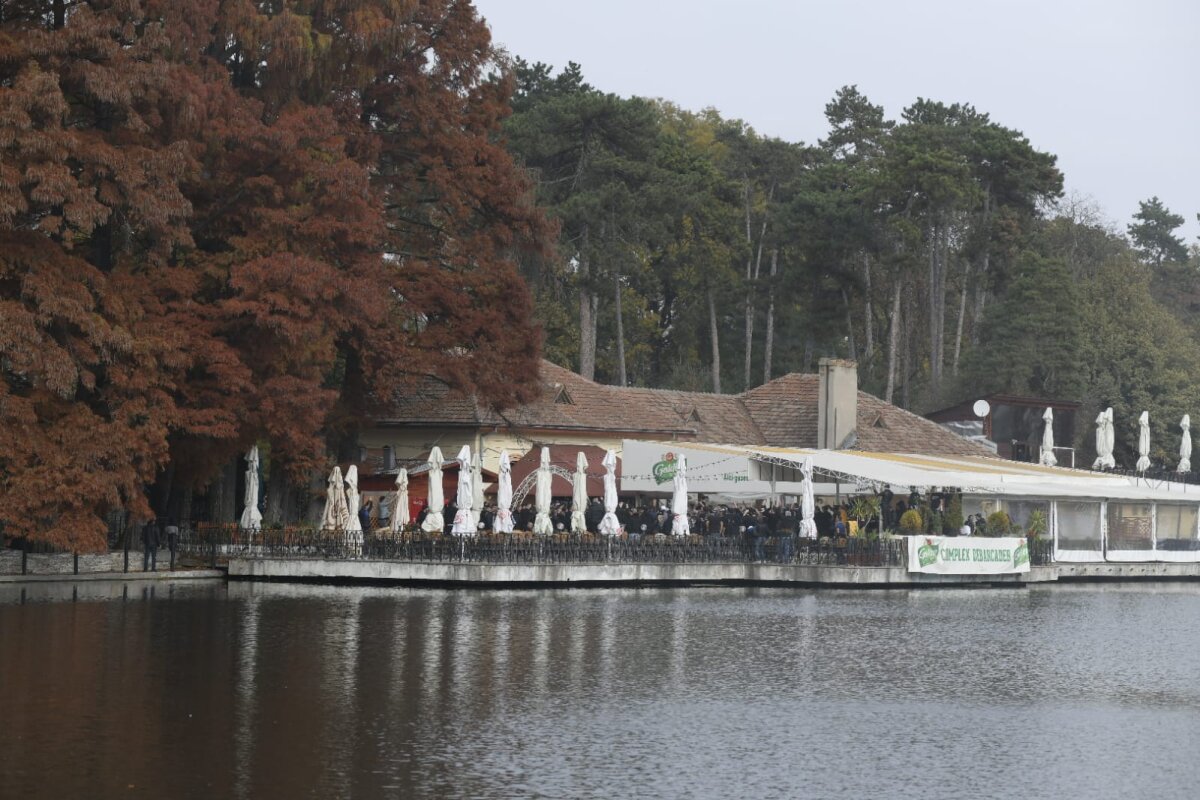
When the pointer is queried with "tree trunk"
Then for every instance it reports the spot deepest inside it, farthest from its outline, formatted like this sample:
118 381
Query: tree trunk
849 326
276 489
716 343
962 312
165 487
587 333
980 299
906 348
185 507
935 309
868 313
769 344
587 312
621 378
753 271
985 262
893 342
222 502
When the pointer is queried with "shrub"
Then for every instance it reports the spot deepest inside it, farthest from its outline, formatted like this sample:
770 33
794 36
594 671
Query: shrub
954 514
999 523
911 522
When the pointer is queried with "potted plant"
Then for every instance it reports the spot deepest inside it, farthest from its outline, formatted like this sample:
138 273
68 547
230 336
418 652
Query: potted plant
863 509
998 524
1037 526
911 523
953 521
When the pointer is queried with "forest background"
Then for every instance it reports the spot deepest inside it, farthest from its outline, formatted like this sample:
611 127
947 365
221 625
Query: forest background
226 223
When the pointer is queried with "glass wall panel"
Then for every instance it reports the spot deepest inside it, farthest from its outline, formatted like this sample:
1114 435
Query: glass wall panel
1079 526
1023 512
1176 527
1129 526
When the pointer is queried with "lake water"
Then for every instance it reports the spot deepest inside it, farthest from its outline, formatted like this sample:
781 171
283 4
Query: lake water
254 690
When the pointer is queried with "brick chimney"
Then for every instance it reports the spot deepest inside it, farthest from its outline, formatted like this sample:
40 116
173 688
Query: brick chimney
837 403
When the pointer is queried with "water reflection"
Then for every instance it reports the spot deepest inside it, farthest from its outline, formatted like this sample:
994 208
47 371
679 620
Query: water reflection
297 691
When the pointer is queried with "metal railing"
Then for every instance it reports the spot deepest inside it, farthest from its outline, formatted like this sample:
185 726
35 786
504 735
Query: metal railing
216 545
213 546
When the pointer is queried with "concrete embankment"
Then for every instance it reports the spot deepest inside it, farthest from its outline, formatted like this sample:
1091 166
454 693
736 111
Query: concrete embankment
516 575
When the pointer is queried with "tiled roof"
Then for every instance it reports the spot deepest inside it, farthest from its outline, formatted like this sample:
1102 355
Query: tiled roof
721 418
786 410
782 413
568 401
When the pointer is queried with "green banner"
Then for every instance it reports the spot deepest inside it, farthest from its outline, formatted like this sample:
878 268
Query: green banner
967 555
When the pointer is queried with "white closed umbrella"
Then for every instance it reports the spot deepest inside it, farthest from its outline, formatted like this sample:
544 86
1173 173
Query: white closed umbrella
251 516
579 494
434 523
1110 439
1143 462
1185 445
476 490
541 495
334 516
400 516
462 517
1105 440
1100 440
353 527
610 525
1048 459
679 500
352 500
504 517
808 503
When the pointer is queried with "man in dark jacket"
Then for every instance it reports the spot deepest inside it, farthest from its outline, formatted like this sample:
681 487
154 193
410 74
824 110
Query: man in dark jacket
150 546
593 515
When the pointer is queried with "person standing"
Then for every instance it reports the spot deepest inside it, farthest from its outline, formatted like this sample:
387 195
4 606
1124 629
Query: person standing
786 532
150 546
172 531
385 511
364 516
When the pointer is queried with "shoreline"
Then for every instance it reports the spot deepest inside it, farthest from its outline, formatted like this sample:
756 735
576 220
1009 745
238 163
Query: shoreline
467 575
599 575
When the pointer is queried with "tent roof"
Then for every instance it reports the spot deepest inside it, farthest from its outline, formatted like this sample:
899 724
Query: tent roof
969 474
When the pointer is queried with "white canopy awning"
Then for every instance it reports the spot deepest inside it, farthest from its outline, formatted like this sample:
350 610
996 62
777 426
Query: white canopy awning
876 471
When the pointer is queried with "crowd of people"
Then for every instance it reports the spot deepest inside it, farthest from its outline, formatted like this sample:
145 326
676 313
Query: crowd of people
651 518
748 520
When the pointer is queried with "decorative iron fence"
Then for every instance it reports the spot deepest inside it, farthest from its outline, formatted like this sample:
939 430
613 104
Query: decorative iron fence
215 545
212 546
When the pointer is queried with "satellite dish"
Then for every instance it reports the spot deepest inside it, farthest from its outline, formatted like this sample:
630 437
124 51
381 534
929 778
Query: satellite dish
982 408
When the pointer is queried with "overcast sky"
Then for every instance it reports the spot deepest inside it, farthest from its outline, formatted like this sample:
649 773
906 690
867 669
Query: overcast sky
1112 88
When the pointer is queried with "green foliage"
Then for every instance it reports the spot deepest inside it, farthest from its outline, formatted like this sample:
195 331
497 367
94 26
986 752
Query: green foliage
911 522
1153 233
1038 526
998 524
1031 338
954 514
864 508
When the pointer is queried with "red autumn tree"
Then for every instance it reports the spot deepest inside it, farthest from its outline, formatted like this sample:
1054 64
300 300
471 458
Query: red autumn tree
226 221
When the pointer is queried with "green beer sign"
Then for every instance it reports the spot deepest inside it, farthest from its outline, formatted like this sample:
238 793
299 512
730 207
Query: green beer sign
664 471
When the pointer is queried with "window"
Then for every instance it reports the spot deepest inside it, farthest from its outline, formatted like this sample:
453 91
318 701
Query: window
1129 526
1079 526
1176 527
